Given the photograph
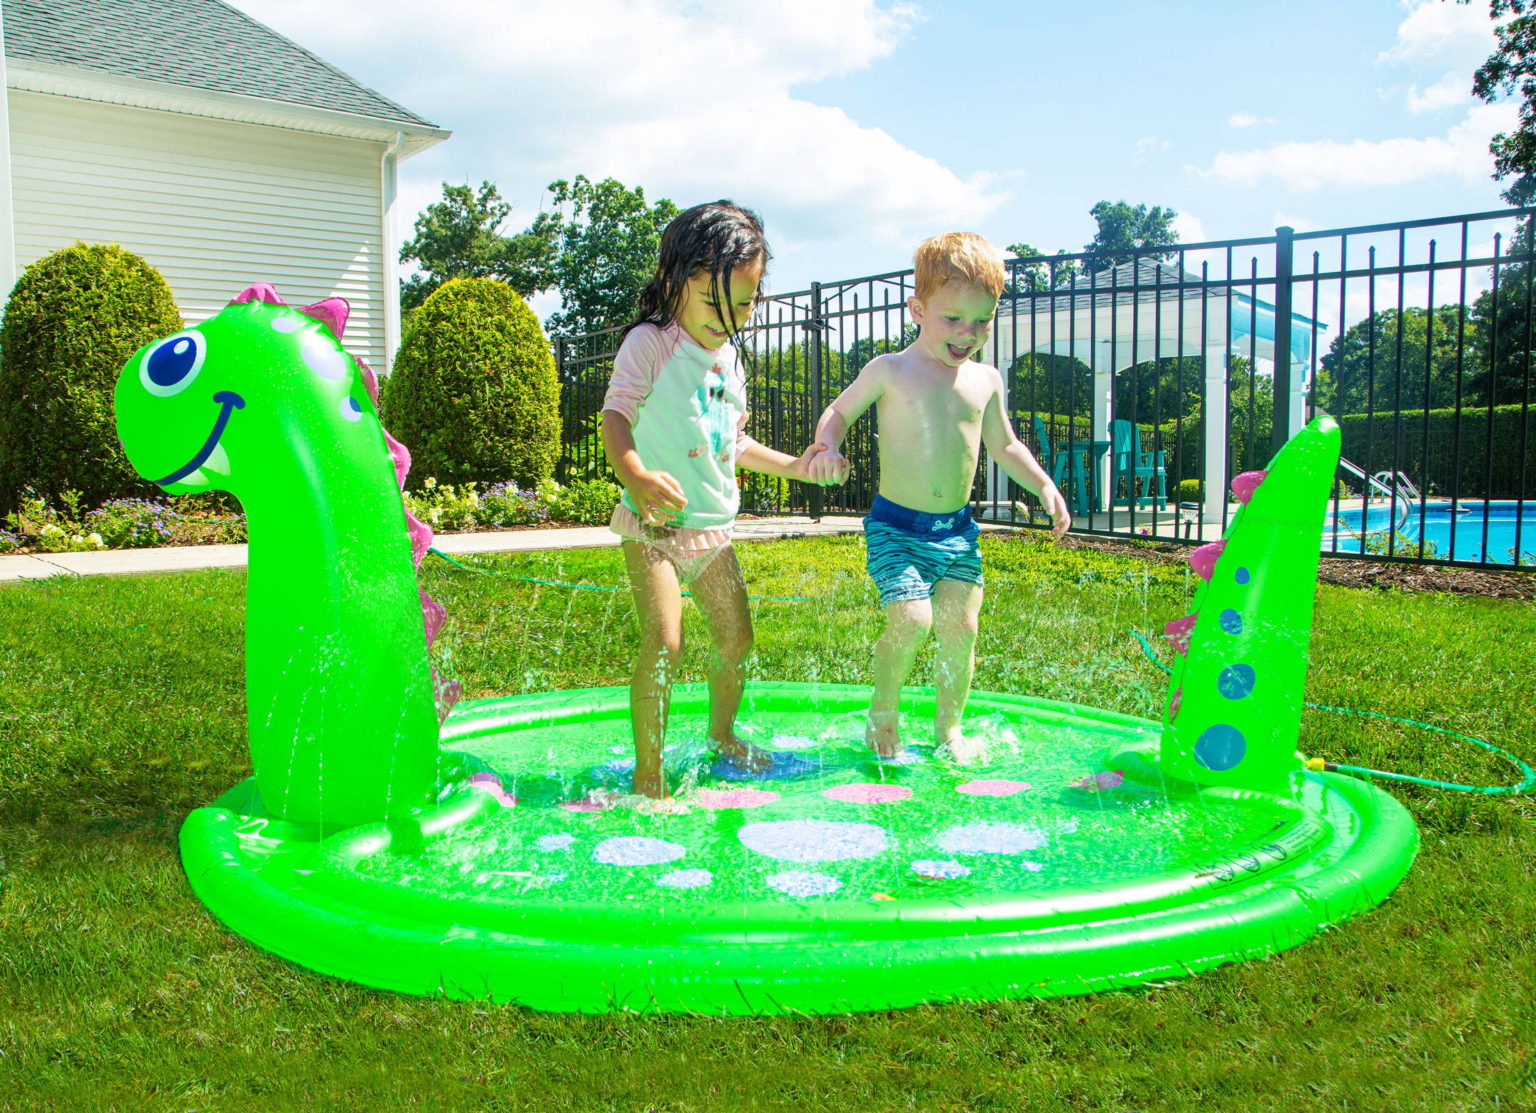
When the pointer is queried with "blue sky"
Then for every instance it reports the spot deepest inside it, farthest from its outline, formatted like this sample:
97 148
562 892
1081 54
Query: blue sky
858 127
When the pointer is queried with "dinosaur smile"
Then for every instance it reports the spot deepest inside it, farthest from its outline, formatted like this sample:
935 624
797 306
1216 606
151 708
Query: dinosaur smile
228 401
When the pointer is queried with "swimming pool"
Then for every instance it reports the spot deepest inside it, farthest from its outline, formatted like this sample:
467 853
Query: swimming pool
1469 520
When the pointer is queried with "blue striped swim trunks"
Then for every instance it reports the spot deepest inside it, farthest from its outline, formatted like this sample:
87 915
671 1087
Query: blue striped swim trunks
908 551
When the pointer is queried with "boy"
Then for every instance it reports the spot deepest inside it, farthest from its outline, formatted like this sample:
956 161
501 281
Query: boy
936 407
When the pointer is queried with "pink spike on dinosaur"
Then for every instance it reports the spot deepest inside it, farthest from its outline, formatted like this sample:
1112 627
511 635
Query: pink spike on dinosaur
1178 632
1203 559
1244 484
433 614
264 292
332 313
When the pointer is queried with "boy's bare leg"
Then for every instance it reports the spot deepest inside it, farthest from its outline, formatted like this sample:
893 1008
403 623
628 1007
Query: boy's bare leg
721 594
906 628
659 607
956 607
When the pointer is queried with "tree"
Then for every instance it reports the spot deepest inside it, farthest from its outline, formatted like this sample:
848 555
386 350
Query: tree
1125 233
1046 383
1511 68
460 237
1408 360
74 318
1160 389
473 393
607 237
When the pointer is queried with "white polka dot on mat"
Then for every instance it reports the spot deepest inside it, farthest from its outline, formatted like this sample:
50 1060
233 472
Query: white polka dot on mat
941 870
635 850
350 409
287 324
813 840
685 879
990 838
554 842
791 742
802 883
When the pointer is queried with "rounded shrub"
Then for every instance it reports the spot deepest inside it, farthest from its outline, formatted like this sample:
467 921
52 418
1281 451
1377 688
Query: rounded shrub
73 319
473 393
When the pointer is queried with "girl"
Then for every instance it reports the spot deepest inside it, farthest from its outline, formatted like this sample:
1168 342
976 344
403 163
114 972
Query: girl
674 422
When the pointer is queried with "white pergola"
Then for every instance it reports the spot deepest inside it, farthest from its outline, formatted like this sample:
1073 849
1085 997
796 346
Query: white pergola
1137 312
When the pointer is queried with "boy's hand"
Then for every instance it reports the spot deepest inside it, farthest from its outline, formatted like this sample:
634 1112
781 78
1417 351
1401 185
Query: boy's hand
801 468
657 496
827 466
1056 507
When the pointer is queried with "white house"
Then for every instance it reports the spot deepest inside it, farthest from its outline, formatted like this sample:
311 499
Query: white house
220 151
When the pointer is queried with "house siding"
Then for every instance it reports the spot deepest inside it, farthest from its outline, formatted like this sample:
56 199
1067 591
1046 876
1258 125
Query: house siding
213 205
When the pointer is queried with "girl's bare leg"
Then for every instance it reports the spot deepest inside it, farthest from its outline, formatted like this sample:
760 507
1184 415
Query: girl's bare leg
659 608
721 594
956 607
906 628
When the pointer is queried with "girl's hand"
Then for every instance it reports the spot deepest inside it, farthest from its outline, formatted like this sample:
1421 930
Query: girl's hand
801 468
657 496
826 466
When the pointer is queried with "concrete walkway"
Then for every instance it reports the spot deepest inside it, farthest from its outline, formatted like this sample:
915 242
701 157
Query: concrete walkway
115 562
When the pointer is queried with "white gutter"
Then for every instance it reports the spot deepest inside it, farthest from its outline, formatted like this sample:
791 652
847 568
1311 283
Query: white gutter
7 207
388 252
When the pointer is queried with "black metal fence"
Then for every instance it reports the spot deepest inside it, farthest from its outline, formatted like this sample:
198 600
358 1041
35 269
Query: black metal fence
1145 382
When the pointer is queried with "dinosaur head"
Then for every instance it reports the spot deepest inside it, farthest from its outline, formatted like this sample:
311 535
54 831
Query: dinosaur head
218 404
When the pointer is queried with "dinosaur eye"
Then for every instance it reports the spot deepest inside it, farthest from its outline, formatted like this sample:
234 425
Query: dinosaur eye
170 366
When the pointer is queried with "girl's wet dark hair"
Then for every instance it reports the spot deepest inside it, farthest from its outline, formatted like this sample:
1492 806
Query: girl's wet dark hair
717 237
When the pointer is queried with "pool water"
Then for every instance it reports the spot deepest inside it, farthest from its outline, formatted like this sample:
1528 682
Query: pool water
1457 534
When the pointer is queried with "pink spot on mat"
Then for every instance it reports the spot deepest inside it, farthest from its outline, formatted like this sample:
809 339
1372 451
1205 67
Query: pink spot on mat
584 806
1109 778
490 782
993 788
718 798
868 793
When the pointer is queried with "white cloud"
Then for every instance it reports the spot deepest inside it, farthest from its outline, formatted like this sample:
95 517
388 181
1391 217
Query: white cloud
1149 145
1450 91
1461 152
1189 228
1247 120
692 99
1294 222
1439 32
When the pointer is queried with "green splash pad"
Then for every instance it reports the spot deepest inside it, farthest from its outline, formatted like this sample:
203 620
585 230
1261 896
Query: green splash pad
855 884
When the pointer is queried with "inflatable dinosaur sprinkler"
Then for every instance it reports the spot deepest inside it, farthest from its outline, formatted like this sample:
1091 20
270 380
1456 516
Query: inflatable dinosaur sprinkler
482 855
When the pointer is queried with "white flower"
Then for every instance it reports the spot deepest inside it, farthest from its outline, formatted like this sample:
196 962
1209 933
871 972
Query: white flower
96 541
51 530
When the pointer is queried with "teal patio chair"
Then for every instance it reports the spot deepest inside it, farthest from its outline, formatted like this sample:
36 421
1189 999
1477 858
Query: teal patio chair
1064 469
1140 470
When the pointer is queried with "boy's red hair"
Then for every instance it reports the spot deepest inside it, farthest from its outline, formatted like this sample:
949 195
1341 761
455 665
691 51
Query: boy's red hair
958 257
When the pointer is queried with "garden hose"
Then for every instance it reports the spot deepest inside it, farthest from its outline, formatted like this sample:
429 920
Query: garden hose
1527 779
579 587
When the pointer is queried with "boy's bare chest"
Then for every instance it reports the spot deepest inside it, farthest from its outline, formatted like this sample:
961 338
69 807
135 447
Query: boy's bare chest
957 399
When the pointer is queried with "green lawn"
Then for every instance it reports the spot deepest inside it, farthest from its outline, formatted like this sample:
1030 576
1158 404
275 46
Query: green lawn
121 708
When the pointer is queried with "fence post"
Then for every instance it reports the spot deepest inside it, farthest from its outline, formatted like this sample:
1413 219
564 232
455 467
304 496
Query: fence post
1284 263
813 329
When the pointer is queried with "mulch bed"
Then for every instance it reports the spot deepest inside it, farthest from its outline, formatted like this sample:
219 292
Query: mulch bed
1351 573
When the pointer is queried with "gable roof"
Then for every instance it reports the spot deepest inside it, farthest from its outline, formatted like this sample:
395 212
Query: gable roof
200 44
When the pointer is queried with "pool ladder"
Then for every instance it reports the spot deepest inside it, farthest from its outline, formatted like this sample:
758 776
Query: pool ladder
1394 486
